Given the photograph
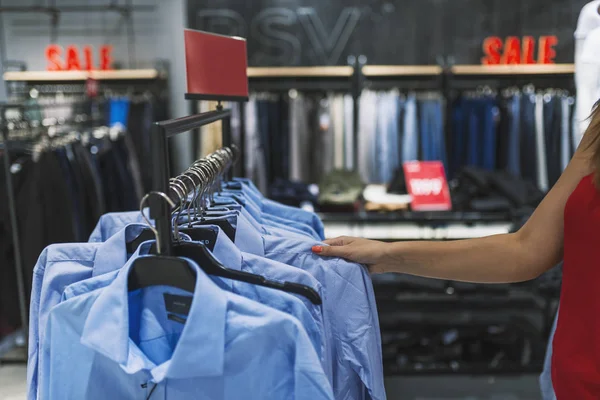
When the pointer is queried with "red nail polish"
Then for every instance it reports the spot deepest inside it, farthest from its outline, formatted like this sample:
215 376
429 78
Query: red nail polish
317 249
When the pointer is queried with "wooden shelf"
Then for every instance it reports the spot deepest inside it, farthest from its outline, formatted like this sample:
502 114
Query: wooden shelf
299 72
533 69
401 70
123 74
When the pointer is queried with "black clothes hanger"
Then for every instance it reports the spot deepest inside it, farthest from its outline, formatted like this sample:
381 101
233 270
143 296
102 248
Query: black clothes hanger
160 270
173 271
198 171
200 254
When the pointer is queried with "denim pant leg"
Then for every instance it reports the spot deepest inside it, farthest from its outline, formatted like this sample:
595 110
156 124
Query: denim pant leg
474 132
410 140
514 137
489 135
440 134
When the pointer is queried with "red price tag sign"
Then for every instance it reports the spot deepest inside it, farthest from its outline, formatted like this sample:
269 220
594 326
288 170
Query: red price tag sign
426 183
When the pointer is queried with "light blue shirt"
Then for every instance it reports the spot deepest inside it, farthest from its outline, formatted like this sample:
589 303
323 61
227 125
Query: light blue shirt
349 310
126 347
63 265
110 224
281 210
257 211
225 251
58 266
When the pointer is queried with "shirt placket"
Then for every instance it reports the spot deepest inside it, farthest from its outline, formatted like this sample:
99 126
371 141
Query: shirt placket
155 391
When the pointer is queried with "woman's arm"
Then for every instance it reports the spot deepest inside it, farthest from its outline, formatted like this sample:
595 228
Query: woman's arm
515 257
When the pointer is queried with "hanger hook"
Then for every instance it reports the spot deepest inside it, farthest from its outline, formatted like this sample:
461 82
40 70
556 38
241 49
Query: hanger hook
198 173
182 197
189 203
152 228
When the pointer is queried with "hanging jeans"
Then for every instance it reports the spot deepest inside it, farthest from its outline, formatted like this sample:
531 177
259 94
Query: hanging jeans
513 164
565 133
410 139
433 143
490 115
553 136
459 151
386 138
528 138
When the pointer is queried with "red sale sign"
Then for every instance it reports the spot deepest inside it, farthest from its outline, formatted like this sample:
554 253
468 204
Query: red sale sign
426 183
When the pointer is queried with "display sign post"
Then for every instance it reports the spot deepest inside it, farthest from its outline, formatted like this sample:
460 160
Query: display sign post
426 183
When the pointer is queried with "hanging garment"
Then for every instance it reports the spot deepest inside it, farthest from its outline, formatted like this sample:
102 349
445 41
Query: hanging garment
565 132
540 144
257 241
410 142
366 135
386 139
553 133
99 260
514 136
348 132
337 115
529 149
170 367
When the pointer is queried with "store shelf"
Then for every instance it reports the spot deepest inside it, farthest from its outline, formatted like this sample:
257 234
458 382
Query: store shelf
300 72
400 70
532 69
47 76
413 231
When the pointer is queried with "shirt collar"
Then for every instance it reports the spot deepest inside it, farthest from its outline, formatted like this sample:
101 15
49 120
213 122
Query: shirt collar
250 185
247 238
225 250
246 192
201 346
248 204
112 254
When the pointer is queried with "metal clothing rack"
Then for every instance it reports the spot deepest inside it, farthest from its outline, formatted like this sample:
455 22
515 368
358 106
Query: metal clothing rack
12 207
161 132
212 47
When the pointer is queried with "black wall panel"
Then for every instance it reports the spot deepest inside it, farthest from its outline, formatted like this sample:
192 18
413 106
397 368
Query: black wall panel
325 32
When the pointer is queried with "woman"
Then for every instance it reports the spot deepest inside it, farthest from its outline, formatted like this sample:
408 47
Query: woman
566 225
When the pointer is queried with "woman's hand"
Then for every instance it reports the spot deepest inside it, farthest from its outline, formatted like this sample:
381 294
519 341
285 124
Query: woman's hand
362 251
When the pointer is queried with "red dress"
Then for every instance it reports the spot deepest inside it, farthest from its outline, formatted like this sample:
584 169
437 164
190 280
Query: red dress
576 346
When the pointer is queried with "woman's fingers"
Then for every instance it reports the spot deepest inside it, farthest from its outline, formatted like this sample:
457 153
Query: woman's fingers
329 251
339 241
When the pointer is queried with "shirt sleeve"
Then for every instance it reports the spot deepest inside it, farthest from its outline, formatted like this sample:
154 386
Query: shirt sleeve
362 342
36 290
310 382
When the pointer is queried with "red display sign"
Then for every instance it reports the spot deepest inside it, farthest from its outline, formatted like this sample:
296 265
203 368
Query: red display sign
514 50
426 183
215 66
71 59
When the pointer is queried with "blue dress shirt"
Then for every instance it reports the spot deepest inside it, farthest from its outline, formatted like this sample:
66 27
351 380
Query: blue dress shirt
226 252
281 210
110 224
126 346
62 265
349 309
257 211
274 208
58 266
